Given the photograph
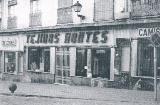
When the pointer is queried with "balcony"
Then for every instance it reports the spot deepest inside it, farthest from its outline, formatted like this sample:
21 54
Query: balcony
12 22
122 15
65 15
141 8
12 2
35 19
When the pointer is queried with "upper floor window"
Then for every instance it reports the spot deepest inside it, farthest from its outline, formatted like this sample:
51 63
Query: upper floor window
126 5
123 5
145 8
35 6
11 8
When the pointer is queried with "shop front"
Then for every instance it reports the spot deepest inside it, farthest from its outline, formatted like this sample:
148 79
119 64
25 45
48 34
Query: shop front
134 56
146 52
11 55
71 57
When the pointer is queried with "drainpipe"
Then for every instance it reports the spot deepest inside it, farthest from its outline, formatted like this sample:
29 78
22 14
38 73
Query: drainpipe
113 10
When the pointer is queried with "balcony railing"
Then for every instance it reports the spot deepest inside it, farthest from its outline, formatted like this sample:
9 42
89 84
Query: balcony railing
12 2
35 19
12 22
64 15
141 8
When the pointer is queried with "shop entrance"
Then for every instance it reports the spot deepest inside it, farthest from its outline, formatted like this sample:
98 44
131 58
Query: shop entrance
62 65
100 63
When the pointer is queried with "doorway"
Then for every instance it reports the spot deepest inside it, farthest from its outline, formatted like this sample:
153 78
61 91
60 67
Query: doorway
62 65
100 63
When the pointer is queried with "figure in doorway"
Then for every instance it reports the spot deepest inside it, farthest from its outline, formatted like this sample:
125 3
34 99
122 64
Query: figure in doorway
84 72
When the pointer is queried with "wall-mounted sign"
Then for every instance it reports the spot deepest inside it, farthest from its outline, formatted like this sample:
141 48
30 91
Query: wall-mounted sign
9 42
69 38
147 32
12 43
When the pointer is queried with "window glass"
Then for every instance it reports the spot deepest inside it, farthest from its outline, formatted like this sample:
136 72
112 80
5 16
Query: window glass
39 59
35 6
11 10
10 62
145 58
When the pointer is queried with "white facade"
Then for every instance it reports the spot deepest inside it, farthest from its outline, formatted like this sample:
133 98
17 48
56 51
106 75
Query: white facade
87 11
22 10
48 9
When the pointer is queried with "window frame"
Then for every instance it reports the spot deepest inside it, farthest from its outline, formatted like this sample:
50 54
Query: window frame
34 6
36 63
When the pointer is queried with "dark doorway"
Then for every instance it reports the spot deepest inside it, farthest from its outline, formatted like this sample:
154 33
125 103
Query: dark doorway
101 63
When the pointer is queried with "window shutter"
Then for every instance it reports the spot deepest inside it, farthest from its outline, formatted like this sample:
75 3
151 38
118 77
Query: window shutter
64 3
103 10
65 11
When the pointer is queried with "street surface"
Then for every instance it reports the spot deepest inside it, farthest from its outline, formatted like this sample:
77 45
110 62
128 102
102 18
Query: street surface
51 94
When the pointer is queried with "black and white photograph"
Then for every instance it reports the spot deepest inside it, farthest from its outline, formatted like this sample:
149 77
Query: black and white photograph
79 52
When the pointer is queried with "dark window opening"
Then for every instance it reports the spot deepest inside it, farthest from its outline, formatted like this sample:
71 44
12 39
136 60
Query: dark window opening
39 59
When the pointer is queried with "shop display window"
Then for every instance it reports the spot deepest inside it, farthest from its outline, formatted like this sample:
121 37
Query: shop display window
10 62
145 58
39 59
99 61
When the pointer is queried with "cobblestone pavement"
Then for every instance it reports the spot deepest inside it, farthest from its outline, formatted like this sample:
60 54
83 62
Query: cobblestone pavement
50 94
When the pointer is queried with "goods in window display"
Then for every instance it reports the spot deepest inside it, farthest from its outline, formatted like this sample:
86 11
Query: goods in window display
33 66
11 68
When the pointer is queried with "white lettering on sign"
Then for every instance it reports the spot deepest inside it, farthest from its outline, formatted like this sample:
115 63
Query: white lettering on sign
147 32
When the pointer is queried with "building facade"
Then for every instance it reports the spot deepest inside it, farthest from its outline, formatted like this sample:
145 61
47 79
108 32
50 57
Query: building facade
50 42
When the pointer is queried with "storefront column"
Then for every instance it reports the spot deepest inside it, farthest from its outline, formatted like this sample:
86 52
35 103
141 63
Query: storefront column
112 64
17 63
21 62
134 46
72 61
52 60
2 62
89 72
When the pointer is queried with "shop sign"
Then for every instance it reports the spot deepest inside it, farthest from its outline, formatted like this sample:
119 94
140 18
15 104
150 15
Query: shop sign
11 43
147 32
69 38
